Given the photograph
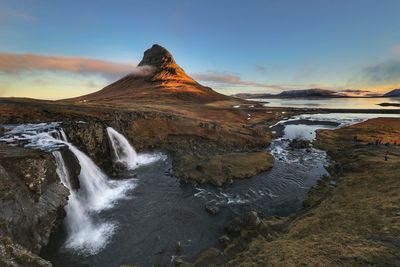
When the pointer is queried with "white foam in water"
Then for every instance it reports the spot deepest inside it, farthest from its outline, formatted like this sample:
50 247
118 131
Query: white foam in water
123 151
96 190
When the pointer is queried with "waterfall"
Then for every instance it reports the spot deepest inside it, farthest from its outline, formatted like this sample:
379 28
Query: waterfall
96 193
124 153
85 233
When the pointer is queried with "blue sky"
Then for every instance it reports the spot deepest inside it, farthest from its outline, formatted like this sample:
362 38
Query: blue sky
233 46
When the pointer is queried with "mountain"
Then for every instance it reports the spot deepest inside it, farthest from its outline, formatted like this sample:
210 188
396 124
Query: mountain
305 93
393 93
252 96
157 77
308 93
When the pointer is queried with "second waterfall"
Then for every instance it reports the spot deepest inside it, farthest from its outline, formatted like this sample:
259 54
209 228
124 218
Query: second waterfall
124 153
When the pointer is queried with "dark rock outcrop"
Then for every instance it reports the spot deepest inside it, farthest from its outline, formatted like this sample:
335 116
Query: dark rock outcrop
299 144
31 197
14 255
92 139
212 209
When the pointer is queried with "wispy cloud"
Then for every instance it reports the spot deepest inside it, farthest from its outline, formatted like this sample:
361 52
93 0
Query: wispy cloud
15 63
260 68
396 49
378 74
7 14
226 79
231 80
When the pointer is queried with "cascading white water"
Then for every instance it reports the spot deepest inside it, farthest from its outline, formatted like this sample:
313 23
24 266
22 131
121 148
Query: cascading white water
125 154
96 191
83 234
122 151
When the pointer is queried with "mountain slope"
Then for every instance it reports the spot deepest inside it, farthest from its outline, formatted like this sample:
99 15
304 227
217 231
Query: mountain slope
158 77
305 93
393 93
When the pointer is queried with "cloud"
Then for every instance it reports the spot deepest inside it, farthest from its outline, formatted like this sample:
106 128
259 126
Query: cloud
16 63
7 14
260 68
232 80
396 49
354 92
378 74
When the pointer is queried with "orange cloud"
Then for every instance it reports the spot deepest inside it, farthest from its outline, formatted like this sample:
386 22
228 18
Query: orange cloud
14 63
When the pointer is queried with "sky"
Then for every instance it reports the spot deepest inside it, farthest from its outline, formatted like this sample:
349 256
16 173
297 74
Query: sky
58 49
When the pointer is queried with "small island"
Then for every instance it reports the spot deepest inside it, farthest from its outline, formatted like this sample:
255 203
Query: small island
386 104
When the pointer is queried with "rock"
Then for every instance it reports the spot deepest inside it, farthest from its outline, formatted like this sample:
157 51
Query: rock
177 261
251 220
234 226
299 144
224 240
32 197
92 139
246 221
212 209
2 130
118 169
14 255
74 168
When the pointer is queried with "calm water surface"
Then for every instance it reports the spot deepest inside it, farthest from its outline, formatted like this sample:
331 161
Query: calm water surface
334 103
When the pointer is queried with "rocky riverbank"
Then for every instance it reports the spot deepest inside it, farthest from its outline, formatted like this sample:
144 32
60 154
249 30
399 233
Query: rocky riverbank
351 218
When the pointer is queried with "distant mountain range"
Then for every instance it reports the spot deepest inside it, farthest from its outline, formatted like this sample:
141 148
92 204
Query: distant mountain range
315 93
393 93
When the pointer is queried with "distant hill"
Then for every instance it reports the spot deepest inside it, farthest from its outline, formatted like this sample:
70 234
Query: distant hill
157 78
393 93
305 93
252 96
308 93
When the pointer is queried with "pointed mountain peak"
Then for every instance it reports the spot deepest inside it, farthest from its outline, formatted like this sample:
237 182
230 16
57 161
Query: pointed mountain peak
158 57
160 78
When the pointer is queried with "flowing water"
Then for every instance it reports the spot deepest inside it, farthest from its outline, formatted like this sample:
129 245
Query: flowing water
154 217
125 154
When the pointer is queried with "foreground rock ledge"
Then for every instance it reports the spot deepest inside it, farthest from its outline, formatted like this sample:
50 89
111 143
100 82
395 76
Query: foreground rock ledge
32 199
220 169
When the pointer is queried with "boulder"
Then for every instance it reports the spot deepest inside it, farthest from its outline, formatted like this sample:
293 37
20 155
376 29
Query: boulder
212 209
299 144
